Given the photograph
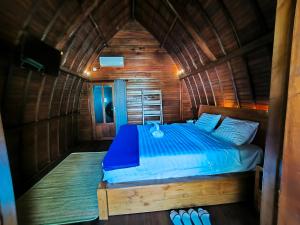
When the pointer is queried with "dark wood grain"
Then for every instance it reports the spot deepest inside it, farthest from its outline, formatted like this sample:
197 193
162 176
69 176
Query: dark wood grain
278 95
290 180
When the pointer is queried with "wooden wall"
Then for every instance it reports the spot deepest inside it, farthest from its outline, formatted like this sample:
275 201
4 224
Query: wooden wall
40 114
147 66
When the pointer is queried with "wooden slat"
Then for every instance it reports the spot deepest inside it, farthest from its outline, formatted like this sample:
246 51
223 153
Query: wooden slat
27 21
179 12
267 39
52 21
278 94
148 196
168 32
37 106
70 31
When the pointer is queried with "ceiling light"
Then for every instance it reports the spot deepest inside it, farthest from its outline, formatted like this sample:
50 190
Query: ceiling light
94 69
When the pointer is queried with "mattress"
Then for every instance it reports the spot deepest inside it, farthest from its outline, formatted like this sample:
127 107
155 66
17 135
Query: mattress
184 150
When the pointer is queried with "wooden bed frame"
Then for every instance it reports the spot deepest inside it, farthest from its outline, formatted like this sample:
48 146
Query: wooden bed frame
165 194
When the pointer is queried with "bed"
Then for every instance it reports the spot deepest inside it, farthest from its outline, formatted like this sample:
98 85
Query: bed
195 173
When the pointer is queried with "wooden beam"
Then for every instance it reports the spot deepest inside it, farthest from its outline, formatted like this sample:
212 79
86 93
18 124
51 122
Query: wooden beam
220 84
69 95
84 40
211 87
52 21
98 28
71 30
51 97
234 85
24 97
231 22
264 40
200 101
37 106
290 180
169 31
62 94
73 73
191 28
99 49
278 95
191 89
92 45
27 21
203 88
211 25
77 92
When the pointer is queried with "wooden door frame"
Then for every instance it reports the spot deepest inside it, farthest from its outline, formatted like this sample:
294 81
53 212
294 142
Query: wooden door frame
91 97
7 199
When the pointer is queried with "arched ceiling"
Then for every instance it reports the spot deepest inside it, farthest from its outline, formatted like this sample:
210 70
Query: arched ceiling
223 47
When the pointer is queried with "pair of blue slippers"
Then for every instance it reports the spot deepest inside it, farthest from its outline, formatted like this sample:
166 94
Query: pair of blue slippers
190 217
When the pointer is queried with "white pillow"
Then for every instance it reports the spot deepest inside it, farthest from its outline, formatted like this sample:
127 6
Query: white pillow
208 122
236 131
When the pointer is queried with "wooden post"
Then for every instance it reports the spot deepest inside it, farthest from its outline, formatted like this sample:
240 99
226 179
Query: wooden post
278 94
7 198
290 182
102 201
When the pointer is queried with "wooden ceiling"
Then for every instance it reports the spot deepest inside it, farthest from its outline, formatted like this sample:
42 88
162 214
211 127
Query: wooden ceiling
222 47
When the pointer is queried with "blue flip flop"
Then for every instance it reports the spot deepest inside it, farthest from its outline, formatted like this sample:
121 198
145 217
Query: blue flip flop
175 218
194 216
185 217
204 216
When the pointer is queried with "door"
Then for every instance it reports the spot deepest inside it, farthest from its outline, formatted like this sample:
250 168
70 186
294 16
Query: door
104 116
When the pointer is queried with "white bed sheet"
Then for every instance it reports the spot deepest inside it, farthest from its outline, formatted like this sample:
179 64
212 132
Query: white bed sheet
185 151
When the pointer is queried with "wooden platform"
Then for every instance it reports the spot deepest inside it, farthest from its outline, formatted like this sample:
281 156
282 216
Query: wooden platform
158 195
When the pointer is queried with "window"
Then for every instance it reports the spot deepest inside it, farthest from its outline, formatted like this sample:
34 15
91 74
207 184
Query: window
103 103
111 61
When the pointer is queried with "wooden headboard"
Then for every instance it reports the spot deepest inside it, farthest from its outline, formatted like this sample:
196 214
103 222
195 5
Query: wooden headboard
243 114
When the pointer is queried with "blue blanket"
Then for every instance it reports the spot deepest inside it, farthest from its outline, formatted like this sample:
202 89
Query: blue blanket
124 151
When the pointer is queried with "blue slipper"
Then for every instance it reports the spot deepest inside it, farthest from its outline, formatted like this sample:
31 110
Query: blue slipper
175 217
185 217
194 216
204 216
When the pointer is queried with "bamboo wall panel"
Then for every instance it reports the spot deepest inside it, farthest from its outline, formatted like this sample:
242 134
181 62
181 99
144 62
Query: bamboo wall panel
186 105
85 118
